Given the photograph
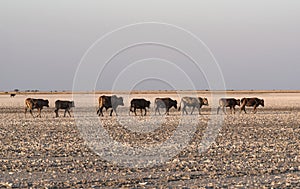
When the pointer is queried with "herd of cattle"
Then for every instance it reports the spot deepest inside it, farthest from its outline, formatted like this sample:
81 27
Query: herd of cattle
112 102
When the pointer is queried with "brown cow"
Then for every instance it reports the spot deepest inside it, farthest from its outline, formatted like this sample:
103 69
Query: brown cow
31 103
255 102
139 103
192 102
164 103
228 102
63 104
109 102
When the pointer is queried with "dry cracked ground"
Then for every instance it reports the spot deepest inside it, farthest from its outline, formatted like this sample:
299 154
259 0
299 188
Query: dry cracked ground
247 150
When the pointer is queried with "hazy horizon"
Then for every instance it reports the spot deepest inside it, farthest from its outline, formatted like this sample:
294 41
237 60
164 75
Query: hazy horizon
255 44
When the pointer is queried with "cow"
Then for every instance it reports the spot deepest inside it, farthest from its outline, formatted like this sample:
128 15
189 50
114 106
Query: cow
228 102
12 95
165 103
139 103
255 102
32 103
63 104
109 102
192 102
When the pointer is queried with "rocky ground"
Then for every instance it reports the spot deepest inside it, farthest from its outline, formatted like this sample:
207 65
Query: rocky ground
248 150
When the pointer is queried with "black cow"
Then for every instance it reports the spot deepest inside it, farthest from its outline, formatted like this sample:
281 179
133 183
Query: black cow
255 102
31 103
12 95
63 104
192 102
228 102
165 103
139 104
109 102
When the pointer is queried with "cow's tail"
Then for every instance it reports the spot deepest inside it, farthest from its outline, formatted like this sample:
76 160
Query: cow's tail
179 105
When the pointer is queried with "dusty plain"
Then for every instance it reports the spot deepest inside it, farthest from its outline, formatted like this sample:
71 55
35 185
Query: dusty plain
250 150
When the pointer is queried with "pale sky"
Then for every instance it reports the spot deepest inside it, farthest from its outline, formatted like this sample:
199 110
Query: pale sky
256 43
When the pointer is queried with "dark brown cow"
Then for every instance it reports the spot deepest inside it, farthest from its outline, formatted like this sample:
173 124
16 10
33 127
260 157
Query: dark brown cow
165 103
63 104
192 102
228 102
139 103
255 102
12 95
109 102
31 103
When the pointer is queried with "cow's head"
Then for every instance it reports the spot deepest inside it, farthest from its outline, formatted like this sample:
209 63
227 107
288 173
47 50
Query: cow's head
72 104
174 103
262 102
148 104
46 103
205 101
238 102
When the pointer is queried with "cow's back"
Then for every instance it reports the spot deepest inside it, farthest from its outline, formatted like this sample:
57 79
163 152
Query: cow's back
190 100
229 102
139 103
63 104
39 103
250 101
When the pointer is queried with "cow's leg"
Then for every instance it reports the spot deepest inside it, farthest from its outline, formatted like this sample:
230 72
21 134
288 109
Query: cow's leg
141 111
56 112
254 109
184 109
39 113
199 110
243 108
134 109
193 110
157 110
69 112
223 108
130 110
233 110
25 111
101 111
30 110
115 109
145 111
112 111
65 112
98 111
218 109
167 111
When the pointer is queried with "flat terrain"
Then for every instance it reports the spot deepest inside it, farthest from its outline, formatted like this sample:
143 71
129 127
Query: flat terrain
248 150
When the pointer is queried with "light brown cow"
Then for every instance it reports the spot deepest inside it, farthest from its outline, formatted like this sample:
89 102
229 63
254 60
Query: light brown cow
255 102
192 102
31 103
228 102
109 102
